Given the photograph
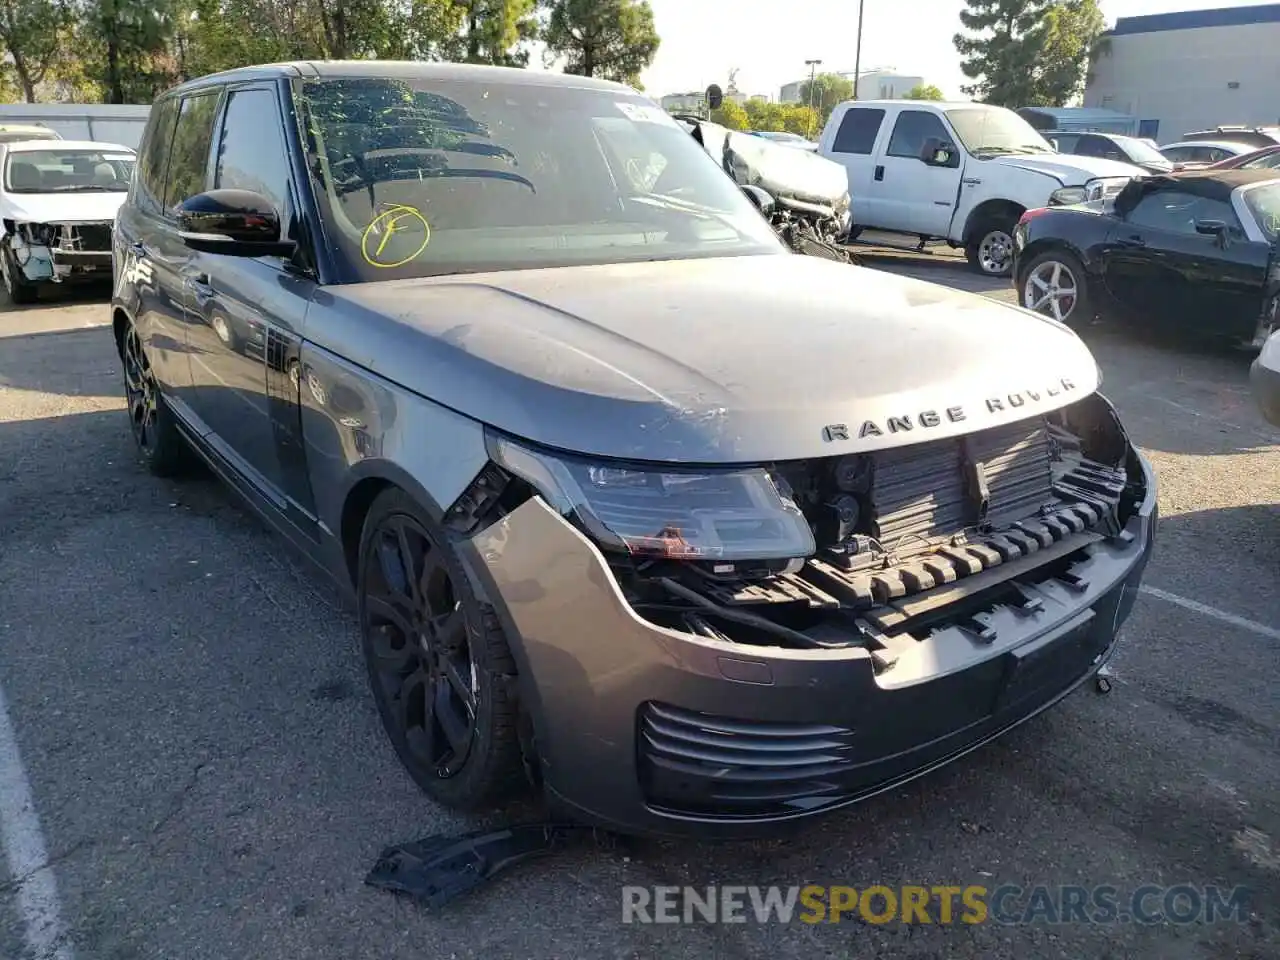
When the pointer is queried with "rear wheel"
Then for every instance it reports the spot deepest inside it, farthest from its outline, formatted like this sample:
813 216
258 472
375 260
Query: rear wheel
438 664
990 250
1054 284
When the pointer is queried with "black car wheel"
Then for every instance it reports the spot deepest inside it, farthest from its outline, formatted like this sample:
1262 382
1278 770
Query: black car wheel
20 289
438 664
163 448
990 251
1054 284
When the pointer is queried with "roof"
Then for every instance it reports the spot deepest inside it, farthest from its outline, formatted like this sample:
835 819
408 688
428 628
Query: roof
403 70
25 146
1198 19
903 102
1223 144
1078 113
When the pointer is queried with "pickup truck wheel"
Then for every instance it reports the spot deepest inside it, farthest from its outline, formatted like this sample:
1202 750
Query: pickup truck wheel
20 289
1055 285
990 252
438 664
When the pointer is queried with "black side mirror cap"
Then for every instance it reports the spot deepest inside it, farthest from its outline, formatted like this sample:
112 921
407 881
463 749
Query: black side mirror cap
760 197
937 153
236 223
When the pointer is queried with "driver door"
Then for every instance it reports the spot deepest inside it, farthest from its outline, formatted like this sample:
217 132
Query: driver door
906 193
1155 263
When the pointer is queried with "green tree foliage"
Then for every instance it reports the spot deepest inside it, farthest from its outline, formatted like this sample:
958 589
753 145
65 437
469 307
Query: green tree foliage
923 91
129 47
731 114
1027 52
1071 33
30 32
613 39
829 89
999 51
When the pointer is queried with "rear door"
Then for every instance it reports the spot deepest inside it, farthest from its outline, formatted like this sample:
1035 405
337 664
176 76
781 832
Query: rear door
853 146
906 193
245 317
1155 263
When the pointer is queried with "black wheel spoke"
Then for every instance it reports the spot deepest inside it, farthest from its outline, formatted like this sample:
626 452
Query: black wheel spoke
412 573
393 649
461 685
449 629
455 725
394 573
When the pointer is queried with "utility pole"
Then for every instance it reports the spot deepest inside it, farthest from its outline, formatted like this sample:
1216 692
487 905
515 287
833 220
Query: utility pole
857 54
813 69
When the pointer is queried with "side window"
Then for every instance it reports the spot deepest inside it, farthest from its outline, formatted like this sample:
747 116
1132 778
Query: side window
251 153
913 128
1176 154
858 131
1178 212
1269 162
153 157
1066 142
1092 147
189 159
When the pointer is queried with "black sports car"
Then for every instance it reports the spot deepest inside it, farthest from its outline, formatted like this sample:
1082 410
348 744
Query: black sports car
1197 250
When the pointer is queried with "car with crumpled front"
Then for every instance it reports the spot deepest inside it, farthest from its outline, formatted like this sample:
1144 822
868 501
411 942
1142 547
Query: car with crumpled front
58 200
633 504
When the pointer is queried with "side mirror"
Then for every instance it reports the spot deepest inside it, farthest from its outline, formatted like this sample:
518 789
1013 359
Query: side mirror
237 223
937 153
762 199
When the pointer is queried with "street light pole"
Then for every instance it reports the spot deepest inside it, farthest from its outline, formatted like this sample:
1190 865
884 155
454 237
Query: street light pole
857 54
813 68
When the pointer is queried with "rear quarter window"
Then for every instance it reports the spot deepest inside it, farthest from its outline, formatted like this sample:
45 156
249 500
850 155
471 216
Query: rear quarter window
858 130
153 157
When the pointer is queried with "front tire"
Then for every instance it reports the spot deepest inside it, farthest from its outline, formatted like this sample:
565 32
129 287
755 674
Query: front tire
163 449
439 667
1054 284
990 250
21 290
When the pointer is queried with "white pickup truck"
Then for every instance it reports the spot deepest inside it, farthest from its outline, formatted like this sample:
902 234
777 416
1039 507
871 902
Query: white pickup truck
960 172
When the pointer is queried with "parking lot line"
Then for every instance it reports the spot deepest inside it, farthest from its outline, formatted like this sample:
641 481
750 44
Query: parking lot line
25 850
1261 629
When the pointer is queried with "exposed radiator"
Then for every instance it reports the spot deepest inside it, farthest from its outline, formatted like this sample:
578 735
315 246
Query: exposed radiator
939 489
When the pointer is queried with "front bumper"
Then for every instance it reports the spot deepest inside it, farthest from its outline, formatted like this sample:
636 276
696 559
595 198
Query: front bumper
1265 383
646 730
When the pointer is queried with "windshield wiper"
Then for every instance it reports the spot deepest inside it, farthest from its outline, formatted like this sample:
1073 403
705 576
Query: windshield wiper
978 150
86 188
407 175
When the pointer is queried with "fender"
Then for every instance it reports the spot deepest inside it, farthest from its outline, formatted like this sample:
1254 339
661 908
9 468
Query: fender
984 182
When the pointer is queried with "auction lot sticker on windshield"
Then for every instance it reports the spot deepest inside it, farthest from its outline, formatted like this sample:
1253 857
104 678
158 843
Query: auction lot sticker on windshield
643 112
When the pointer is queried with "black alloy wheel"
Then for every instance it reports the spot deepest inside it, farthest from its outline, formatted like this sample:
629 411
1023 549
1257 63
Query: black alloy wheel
438 665
163 449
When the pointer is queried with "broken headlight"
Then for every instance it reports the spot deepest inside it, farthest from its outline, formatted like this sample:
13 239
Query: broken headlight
661 511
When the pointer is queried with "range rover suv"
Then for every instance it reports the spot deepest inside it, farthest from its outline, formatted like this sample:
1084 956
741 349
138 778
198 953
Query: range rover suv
697 535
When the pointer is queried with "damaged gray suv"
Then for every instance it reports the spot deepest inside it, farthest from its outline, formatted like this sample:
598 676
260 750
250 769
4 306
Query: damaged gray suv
696 534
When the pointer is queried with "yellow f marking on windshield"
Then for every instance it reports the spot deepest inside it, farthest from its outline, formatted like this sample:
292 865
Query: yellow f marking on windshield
398 219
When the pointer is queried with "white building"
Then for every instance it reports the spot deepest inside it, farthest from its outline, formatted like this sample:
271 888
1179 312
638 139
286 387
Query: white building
1179 72
872 85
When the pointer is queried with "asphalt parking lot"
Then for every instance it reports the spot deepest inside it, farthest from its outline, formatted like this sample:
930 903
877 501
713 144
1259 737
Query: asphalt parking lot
190 765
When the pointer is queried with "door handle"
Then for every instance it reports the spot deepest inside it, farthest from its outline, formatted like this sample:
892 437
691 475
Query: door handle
880 173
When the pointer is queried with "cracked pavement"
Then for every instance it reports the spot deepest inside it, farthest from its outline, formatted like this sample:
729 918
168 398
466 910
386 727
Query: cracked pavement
212 781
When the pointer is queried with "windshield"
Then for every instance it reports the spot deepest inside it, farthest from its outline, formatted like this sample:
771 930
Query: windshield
1140 151
1264 203
426 177
68 171
992 130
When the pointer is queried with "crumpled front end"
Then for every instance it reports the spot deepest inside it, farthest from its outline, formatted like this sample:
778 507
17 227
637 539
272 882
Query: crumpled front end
60 252
715 652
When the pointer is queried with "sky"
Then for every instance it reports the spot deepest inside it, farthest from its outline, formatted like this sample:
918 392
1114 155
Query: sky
768 41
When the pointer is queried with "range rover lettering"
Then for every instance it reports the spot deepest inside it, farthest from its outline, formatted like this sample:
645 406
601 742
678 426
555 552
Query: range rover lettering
633 503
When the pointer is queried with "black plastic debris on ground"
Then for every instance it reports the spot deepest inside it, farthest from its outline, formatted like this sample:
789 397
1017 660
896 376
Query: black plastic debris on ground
435 870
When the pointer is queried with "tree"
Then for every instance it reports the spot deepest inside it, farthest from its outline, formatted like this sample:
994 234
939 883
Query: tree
829 89
613 39
731 114
1000 49
131 54
30 33
1071 32
923 91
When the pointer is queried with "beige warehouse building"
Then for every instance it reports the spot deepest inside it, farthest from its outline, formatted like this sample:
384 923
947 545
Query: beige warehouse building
1178 72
